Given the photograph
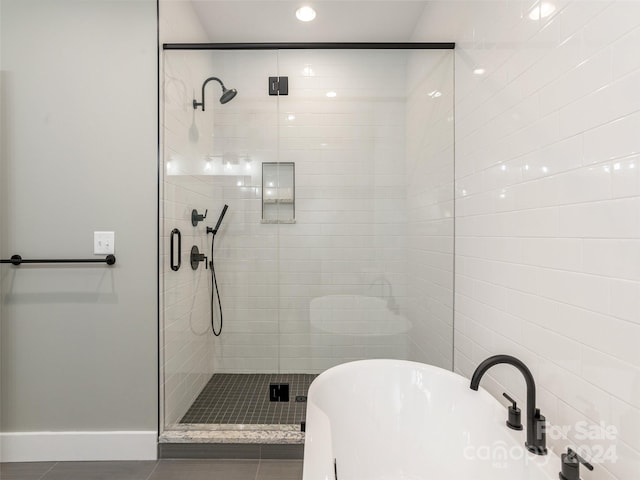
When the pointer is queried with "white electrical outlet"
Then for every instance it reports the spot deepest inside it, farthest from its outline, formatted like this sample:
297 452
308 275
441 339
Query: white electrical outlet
104 243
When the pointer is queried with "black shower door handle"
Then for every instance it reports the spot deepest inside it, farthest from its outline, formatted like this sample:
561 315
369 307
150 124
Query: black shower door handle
176 233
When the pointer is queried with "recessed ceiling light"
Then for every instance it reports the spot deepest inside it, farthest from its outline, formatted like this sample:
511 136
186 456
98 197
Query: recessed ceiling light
479 71
435 94
331 94
305 14
542 11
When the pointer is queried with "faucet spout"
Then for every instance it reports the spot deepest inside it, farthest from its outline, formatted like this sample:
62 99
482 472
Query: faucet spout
536 435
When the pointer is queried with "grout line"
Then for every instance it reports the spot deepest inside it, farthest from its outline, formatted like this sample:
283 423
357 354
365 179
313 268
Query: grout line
50 468
154 469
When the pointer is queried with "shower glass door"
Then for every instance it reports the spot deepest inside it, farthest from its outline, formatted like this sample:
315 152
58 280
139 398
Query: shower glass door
214 158
337 167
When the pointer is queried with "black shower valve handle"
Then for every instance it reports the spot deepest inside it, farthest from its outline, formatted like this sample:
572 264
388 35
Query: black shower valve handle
571 465
197 217
197 257
202 258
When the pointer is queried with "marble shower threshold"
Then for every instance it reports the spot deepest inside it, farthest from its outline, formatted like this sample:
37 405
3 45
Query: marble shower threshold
259 434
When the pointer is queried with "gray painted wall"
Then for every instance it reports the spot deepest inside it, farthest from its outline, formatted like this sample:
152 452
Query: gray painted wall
79 143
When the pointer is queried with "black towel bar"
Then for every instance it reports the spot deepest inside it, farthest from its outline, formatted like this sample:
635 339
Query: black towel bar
18 260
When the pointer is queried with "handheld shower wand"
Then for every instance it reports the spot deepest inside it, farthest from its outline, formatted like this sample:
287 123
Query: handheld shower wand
215 230
214 281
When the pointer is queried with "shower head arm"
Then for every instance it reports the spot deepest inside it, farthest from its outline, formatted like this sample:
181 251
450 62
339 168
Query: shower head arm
197 104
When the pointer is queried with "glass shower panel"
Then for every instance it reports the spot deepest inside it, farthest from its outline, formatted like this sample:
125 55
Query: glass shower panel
342 266
214 158
348 256
357 276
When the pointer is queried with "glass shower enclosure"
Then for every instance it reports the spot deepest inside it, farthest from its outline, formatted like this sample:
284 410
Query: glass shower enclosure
337 168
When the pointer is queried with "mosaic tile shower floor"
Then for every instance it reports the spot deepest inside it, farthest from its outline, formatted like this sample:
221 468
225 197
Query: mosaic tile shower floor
243 399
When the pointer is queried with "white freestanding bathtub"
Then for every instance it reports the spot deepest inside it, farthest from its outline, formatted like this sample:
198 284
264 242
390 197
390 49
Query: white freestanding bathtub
400 420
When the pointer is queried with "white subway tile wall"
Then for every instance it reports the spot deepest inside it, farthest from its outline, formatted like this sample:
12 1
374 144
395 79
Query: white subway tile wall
548 214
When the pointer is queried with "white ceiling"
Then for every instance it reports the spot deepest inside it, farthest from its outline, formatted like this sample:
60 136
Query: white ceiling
336 21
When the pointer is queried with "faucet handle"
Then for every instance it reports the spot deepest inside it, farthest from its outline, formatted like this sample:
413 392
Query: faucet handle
514 420
571 465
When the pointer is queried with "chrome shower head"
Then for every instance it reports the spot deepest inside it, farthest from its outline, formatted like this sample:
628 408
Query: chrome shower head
227 95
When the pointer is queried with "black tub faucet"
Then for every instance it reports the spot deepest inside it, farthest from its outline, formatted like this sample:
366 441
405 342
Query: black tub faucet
536 434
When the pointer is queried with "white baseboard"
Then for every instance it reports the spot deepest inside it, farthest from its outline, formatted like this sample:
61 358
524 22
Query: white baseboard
78 446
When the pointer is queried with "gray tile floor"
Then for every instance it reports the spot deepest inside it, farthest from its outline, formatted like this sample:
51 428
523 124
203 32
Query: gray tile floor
155 470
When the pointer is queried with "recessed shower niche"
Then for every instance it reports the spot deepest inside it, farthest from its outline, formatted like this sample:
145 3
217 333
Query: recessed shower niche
338 240
278 192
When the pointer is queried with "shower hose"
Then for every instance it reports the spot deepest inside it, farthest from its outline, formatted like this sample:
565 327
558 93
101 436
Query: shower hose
214 286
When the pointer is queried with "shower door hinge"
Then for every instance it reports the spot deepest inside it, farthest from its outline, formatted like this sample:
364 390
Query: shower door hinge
278 85
278 392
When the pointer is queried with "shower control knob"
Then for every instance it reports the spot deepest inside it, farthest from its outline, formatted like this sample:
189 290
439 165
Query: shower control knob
197 257
197 217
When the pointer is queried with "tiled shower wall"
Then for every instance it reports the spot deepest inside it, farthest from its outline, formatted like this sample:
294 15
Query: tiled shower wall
548 213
